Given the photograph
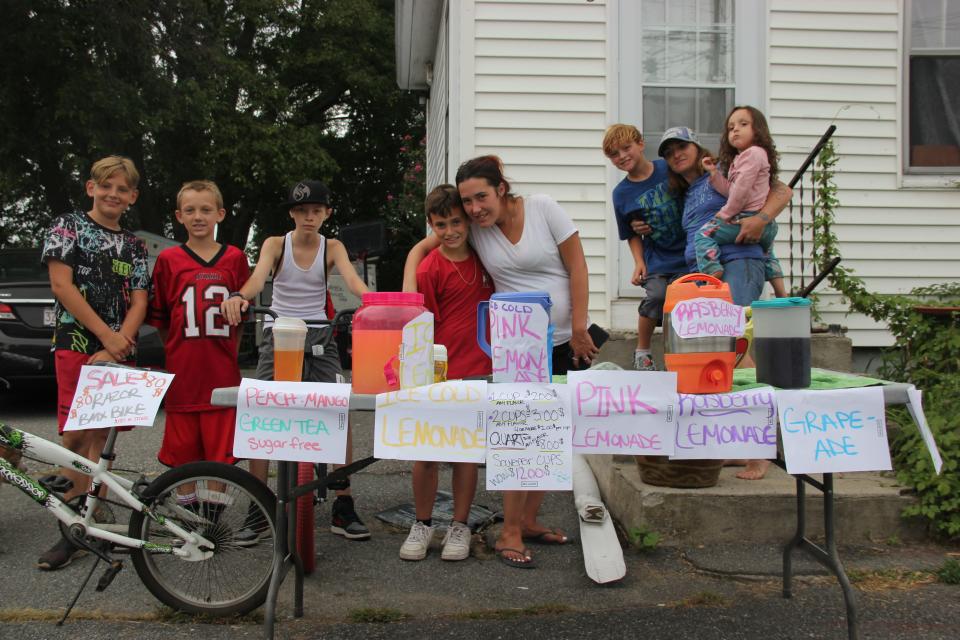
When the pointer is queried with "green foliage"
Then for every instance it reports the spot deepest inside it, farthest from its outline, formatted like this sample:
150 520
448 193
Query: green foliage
926 326
949 573
643 538
377 616
254 94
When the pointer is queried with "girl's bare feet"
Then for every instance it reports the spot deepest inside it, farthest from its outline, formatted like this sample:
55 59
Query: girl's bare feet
756 470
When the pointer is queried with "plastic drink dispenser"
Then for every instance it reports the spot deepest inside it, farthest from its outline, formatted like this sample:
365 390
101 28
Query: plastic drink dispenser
541 298
377 334
702 364
781 342
289 337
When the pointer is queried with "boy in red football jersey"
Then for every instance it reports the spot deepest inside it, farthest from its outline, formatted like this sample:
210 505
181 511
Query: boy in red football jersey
189 283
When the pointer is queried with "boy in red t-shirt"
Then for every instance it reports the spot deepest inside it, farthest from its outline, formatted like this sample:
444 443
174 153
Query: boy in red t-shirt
452 282
189 283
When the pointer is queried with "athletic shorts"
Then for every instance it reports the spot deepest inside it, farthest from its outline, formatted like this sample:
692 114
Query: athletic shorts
67 364
315 368
191 436
656 287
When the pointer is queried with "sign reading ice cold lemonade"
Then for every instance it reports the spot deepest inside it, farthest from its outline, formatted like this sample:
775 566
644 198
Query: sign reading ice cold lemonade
441 422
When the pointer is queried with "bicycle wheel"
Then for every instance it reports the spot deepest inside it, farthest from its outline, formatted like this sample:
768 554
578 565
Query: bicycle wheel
235 578
305 524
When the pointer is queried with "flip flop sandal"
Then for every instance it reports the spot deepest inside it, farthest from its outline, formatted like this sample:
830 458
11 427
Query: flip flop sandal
514 562
550 536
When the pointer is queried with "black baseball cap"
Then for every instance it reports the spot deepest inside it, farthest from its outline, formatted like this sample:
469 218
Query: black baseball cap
308 192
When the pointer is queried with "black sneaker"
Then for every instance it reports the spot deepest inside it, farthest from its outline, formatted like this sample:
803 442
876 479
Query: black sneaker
345 522
59 555
254 526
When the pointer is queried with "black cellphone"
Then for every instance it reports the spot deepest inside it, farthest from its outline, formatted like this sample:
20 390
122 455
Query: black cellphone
598 335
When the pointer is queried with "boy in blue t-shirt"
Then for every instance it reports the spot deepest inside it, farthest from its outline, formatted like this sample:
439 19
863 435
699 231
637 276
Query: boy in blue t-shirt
650 220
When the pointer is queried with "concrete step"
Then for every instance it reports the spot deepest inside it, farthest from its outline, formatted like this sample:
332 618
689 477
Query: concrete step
867 507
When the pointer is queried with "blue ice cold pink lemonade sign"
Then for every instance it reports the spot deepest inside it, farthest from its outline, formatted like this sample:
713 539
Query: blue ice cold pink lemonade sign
529 437
717 426
626 412
831 431
295 421
518 342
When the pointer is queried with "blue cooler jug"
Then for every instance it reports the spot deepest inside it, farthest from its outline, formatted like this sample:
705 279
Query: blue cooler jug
541 298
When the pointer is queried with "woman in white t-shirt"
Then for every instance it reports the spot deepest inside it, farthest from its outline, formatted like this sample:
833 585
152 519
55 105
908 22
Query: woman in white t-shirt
526 244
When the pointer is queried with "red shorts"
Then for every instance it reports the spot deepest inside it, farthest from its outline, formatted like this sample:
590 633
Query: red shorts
191 436
68 365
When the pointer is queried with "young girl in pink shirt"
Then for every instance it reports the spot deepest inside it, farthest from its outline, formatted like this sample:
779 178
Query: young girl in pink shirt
749 160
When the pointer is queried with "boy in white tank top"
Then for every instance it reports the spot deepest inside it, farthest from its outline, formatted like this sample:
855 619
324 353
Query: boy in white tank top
299 262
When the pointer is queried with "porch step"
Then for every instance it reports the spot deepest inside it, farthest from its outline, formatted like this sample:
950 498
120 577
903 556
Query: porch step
867 507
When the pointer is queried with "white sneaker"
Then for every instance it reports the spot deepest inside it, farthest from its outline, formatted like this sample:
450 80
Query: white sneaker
417 542
456 544
643 361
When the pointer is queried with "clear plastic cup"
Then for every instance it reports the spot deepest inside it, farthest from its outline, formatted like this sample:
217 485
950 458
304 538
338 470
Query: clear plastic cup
289 337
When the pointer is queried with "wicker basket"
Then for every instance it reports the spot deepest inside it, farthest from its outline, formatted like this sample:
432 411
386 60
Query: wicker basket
682 474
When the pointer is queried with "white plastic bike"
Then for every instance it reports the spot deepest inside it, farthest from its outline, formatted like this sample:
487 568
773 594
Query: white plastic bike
183 548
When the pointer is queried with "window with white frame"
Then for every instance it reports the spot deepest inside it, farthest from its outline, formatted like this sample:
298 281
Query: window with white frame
686 67
933 86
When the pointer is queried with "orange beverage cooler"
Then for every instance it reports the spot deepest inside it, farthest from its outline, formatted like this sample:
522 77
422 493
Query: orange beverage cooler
703 365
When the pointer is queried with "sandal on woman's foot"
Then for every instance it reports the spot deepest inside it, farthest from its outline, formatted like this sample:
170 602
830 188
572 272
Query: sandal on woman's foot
526 562
549 536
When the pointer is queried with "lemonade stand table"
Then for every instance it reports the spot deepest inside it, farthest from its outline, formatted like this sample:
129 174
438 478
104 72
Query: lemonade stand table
285 555
894 393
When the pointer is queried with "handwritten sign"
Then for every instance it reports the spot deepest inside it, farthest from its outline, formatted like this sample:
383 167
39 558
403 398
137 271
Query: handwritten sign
529 438
416 352
116 397
302 421
716 426
831 431
441 422
915 406
628 412
707 317
518 339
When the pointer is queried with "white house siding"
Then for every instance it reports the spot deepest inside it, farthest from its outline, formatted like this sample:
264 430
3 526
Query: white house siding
437 106
840 61
539 101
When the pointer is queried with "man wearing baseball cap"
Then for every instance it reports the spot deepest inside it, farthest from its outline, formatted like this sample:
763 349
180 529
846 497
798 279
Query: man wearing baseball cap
299 262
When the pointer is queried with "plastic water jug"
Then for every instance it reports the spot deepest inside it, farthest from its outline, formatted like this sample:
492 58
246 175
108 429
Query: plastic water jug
781 342
703 364
541 298
377 334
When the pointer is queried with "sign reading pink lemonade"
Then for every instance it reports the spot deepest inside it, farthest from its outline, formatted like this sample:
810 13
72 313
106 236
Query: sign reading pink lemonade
627 412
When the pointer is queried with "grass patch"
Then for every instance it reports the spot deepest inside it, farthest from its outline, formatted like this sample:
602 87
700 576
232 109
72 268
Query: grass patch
512 614
889 579
949 573
377 616
704 599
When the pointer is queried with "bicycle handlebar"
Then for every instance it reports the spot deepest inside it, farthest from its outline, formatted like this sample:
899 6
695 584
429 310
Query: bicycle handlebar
342 318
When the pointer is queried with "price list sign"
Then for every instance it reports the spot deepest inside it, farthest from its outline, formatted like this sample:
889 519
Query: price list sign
529 438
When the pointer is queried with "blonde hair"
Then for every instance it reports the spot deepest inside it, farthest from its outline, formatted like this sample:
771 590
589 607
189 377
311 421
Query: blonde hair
105 167
619 135
201 185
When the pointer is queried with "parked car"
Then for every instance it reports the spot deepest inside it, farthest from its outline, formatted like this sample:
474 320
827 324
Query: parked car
27 319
